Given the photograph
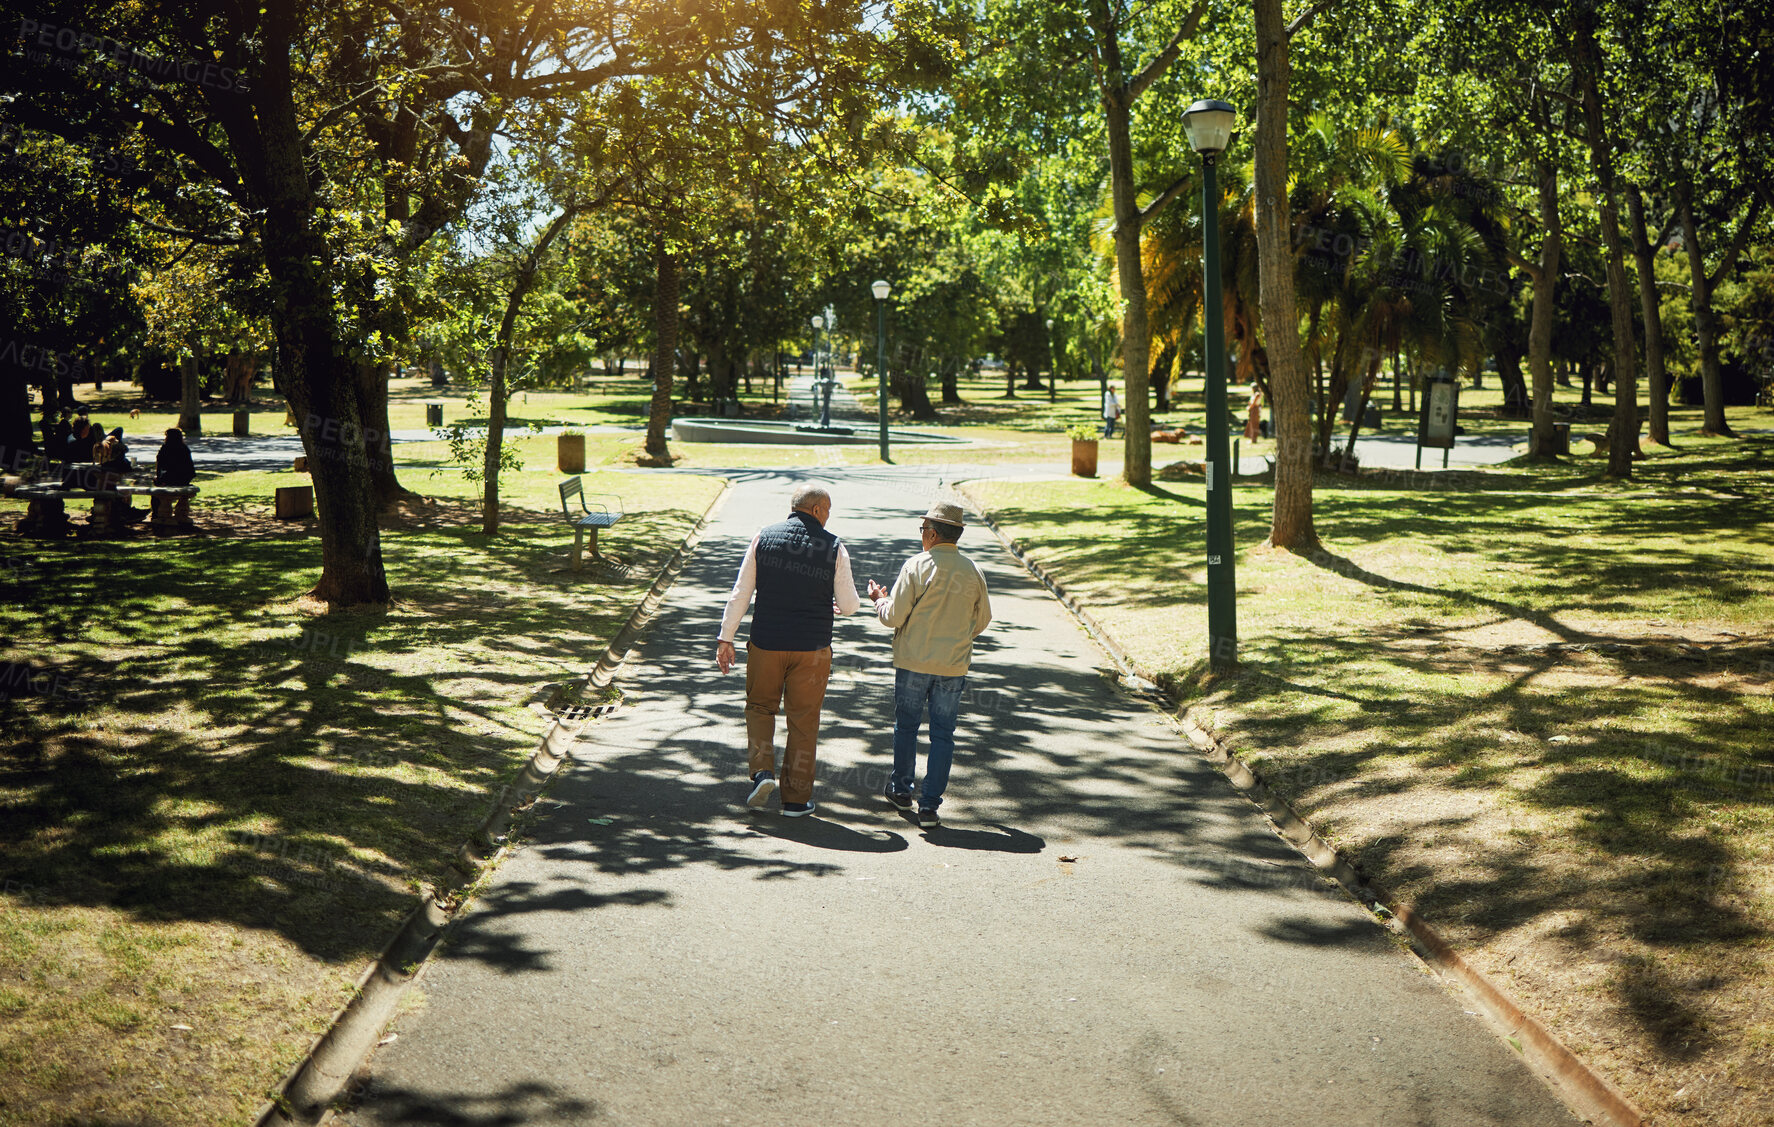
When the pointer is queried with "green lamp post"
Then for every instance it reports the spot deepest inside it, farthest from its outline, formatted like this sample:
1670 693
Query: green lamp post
881 290
1209 125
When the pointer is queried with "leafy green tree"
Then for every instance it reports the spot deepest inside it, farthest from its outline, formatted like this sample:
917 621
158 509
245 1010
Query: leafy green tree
1057 65
272 111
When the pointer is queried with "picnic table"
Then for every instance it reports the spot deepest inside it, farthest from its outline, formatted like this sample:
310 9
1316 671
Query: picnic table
168 505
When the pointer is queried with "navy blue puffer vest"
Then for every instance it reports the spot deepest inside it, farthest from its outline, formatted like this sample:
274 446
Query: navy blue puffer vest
797 565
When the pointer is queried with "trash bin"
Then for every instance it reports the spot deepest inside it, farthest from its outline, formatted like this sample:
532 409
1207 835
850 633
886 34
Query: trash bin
242 424
434 414
569 453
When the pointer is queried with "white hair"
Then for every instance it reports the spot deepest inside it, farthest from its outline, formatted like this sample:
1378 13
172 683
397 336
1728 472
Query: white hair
807 495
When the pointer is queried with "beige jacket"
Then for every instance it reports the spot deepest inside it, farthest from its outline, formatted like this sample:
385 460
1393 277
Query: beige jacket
938 605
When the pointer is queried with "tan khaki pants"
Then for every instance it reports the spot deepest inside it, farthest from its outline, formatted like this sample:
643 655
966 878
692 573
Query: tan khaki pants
792 681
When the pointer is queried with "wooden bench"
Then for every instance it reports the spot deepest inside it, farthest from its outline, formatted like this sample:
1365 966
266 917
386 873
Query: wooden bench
585 519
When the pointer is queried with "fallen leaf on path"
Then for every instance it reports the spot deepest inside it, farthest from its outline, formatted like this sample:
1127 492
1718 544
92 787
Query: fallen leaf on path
1068 858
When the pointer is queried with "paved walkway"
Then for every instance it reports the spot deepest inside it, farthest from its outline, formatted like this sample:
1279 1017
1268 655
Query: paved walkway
1103 932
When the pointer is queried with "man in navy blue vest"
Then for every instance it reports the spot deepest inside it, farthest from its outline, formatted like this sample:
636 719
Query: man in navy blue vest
801 574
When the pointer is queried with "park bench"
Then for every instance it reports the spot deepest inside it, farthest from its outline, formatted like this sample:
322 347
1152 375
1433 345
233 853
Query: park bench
586 519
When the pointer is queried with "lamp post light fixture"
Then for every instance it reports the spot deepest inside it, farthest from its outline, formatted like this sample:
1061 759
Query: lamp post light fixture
1209 126
881 290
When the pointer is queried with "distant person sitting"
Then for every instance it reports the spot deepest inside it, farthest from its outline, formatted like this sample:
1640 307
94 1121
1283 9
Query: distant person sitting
110 468
109 457
76 456
173 465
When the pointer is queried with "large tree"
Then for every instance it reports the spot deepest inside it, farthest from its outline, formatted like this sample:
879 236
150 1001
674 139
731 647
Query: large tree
1291 524
1058 69
273 107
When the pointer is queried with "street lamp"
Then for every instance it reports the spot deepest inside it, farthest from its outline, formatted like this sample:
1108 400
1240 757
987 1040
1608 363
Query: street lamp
825 408
881 290
1209 126
1052 368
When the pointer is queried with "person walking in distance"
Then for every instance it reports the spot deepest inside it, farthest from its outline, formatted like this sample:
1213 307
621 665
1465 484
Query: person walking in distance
801 576
938 605
1111 412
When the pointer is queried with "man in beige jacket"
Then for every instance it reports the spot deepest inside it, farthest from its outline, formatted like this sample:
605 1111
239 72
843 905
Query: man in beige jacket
938 605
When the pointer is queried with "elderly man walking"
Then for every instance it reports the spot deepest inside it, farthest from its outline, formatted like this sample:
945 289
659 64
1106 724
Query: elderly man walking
938 605
801 575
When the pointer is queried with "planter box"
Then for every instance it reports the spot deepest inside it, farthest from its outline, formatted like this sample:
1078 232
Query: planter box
1084 457
569 453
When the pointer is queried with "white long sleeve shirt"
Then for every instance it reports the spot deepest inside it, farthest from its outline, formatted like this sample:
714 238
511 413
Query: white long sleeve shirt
845 600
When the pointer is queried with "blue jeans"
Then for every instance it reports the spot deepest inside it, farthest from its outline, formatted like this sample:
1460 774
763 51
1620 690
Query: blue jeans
912 692
1108 427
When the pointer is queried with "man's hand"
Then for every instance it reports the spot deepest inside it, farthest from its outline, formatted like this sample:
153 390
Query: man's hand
724 655
876 591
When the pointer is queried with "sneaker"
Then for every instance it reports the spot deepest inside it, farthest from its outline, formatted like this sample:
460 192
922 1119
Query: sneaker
927 816
797 809
764 786
900 801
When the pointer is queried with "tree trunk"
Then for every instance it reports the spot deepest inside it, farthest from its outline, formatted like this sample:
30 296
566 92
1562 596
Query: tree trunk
717 375
665 346
190 394
1645 255
1623 432
1368 379
911 385
1515 388
496 413
372 391
1161 373
951 388
1712 382
1291 522
1136 342
500 390
311 365
1545 278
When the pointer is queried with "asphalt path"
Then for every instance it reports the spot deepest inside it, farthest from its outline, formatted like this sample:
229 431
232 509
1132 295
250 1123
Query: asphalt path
1102 931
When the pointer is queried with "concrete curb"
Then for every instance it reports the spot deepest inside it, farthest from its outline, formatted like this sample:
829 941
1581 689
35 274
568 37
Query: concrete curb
1589 1094
308 1090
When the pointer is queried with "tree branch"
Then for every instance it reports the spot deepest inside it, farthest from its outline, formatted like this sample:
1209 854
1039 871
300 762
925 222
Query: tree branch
1737 243
1306 17
1164 199
337 112
207 240
1161 63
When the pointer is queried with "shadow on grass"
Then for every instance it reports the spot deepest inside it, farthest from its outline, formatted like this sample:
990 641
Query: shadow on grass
206 753
1595 746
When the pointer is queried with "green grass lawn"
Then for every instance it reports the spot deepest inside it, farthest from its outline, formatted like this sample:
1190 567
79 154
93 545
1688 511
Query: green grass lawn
216 806
1538 707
